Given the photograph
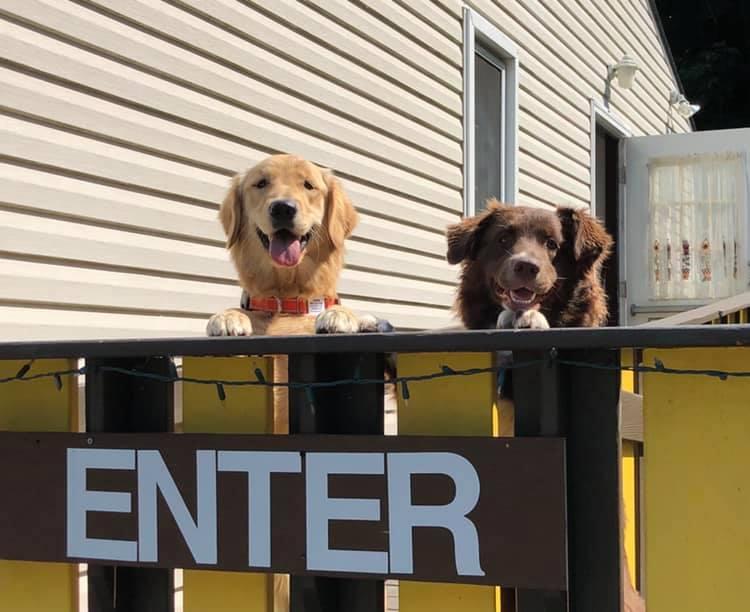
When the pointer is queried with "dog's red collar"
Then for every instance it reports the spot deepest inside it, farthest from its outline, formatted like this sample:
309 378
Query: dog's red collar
293 305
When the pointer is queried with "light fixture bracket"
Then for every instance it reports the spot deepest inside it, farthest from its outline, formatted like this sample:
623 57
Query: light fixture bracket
682 105
624 71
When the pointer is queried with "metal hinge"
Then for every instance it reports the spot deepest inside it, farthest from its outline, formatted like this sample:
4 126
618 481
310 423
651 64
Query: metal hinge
623 289
622 174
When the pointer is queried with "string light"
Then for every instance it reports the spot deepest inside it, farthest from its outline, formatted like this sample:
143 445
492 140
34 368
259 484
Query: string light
401 382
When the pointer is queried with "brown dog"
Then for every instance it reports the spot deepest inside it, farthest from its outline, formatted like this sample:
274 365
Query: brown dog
533 268
530 267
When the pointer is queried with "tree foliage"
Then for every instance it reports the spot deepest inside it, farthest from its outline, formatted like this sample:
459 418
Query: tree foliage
710 42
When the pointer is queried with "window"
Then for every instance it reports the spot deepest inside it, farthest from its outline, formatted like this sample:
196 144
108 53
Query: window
490 114
489 126
694 220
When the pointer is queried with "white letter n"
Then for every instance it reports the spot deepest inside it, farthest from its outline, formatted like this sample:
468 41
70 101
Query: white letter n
200 535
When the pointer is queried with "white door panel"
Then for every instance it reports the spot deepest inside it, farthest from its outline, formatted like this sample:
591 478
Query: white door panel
700 168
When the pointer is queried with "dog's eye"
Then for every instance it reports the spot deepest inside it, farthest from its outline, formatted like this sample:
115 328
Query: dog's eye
552 244
262 183
309 185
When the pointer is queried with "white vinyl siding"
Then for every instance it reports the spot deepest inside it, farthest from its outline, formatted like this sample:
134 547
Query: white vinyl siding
121 122
564 50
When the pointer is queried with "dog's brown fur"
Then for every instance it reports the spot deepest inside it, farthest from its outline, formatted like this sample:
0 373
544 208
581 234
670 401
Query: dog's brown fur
567 246
568 282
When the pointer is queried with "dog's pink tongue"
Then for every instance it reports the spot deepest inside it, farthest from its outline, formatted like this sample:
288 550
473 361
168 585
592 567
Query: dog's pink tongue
285 249
524 294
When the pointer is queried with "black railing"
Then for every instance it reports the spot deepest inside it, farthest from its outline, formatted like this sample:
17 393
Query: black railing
566 384
643 336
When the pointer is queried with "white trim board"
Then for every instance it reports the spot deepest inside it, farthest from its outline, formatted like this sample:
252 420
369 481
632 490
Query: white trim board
612 123
477 27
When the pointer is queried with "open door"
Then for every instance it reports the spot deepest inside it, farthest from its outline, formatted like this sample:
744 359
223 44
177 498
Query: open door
685 221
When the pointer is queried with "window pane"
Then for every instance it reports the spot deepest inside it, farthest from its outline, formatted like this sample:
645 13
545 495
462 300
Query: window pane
488 150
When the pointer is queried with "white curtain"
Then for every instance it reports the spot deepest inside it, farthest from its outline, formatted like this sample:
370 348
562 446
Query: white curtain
694 226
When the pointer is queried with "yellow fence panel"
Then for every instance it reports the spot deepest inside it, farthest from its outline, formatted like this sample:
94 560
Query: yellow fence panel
630 484
630 497
627 382
38 406
245 410
448 406
697 498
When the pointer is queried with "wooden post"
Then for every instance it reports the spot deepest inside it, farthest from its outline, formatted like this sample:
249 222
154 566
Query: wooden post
118 402
590 399
348 409
245 410
538 412
581 404
450 407
38 406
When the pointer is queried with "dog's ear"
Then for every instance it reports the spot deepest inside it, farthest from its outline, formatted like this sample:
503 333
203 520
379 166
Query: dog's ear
465 238
231 213
590 242
340 217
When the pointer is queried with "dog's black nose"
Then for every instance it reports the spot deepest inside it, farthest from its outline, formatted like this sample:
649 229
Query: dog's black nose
526 269
282 212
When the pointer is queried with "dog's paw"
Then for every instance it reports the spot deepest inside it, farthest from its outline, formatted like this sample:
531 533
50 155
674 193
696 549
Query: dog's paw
232 322
505 320
336 320
370 324
530 319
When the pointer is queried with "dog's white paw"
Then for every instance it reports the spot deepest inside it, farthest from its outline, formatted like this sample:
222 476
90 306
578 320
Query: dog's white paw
336 320
505 320
370 324
530 319
232 322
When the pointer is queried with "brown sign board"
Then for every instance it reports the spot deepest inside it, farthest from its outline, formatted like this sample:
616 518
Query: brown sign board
443 509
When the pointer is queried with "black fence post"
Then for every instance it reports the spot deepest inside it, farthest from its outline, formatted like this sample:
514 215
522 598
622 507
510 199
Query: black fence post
346 409
538 413
582 404
591 398
118 402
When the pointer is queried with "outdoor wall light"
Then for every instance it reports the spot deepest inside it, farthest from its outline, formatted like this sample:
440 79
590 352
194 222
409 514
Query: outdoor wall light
624 71
682 105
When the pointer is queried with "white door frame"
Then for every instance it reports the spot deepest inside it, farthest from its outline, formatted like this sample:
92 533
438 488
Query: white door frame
612 123
640 151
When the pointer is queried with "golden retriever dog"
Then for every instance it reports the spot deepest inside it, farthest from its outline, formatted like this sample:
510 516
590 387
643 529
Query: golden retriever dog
533 268
286 221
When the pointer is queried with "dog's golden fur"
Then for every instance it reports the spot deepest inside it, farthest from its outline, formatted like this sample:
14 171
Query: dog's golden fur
327 216
324 211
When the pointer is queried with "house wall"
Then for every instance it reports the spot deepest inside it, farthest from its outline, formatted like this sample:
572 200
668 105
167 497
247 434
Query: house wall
564 49
121 122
